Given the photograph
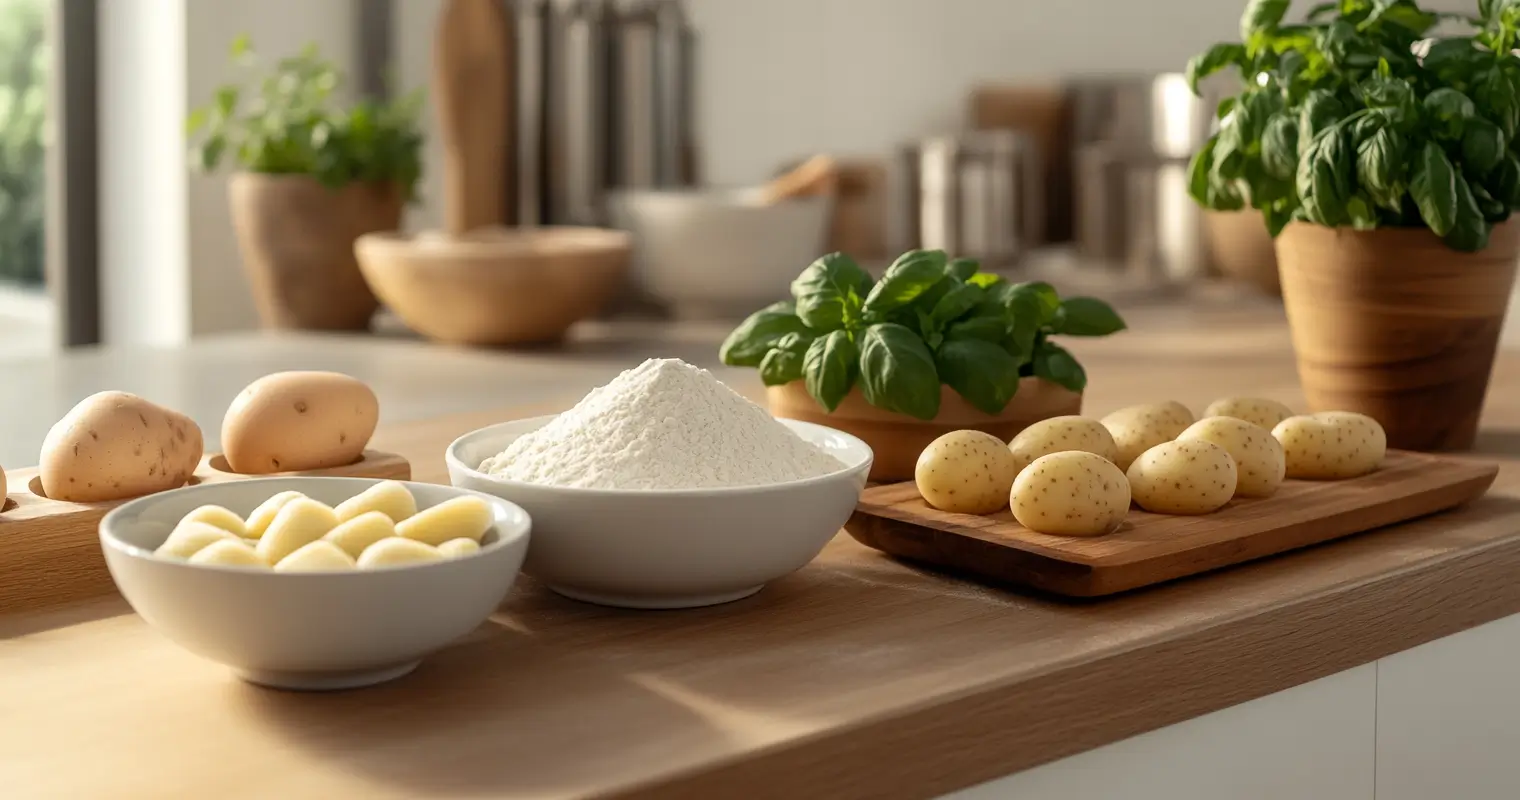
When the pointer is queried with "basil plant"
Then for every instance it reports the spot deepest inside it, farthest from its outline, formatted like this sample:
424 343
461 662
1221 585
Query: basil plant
929 321
1355 118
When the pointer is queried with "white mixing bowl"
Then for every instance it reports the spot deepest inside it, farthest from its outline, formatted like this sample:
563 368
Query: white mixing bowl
311 630
671 549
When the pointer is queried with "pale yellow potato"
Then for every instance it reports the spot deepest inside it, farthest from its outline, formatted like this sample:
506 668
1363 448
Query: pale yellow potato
220 517
115 445
1255 410
1188 476
300 522
1070 493
353 536
463 517
292 421
1331 445
966 472
390 498
190 537
1060 434
1259 461
1137 429
459 548
259 520
229 553
2 488
398 552
318 556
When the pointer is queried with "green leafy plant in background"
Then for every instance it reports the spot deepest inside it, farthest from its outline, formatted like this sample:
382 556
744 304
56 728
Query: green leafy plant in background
290 123
1340 122
23 151
930 320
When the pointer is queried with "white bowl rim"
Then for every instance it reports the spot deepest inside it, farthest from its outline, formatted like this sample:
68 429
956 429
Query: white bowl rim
451 456
518 528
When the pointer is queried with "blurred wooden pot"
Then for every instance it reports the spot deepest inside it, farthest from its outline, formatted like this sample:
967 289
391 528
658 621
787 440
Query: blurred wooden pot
1395 325
297 241
1242 249
898 439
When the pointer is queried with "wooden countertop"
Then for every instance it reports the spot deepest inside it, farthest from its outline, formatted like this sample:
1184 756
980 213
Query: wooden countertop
858 677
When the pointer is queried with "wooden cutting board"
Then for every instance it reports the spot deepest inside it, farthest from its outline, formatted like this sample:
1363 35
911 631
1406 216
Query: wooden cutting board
1152 548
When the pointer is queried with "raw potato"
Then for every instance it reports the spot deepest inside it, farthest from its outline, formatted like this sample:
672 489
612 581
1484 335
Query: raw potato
1259 461
319 556
1255 410
259 520
966 472
300 522
1188 476
220 517
1331 445
292 421
1060 434
463 517
390 498
1137 429
1071 493
115 445
2 488
459 548
357 534
398 552
229 553
190 537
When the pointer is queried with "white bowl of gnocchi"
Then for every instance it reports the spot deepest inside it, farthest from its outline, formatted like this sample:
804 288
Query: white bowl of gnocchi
315 583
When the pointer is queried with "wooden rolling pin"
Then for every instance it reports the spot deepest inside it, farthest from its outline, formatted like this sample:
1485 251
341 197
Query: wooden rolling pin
816 176
472 87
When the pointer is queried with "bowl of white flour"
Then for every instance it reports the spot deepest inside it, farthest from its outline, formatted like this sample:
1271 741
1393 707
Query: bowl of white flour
667 489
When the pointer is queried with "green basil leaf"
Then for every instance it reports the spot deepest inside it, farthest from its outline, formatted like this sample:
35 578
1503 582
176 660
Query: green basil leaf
1199 170
955 303
1395 93
1213 60
987 329
1044 295
1361 212
912 274
1321 109
1497 96
829 368
1469 233
1279 147
1322 9
996 299
980 372
1447 54
828 292
783 364
1054 364
1324 177
984 279
1345 49
897 371
962 269
1493 210
1506 181
1401 13
1026 316
1380 167
1086 316
1448 111
1261 16
1277 216
1433 184
1482 146
747 345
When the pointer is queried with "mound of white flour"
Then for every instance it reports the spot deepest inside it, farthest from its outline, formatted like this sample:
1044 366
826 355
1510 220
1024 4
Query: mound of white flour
662 425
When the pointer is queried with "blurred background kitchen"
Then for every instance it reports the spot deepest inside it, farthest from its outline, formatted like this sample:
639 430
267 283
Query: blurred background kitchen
734 139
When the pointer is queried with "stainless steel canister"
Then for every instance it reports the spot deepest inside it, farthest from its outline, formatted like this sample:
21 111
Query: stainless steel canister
978 195
653 50
577 99
532 19
1135 216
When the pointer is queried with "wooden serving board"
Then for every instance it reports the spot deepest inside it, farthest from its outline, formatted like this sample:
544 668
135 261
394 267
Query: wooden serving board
50 550
1152 548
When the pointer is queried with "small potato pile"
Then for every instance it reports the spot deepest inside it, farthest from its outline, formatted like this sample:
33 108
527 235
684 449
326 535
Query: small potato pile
1075 476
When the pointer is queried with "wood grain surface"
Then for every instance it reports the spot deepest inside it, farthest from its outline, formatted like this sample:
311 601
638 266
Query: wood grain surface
50 549
1153 548
473 93
858 677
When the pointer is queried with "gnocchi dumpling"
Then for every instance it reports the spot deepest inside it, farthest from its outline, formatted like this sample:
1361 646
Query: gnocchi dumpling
1259 462
966 472
1137 429
397 552
1187 476
259 520
318 556
459 548
1255 410
1060 434
301 521
1070 493
464 517
358 533
190 537
390 498
228 553
1331 445
220 517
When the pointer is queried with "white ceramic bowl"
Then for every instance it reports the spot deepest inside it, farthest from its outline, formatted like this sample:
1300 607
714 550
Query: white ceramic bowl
317 630
671 549
716 253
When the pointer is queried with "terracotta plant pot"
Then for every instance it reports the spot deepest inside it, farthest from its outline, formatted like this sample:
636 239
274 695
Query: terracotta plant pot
1242 249
297 241
1394 324
898 439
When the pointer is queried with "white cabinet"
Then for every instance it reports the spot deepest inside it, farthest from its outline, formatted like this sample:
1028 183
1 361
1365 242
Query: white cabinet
1448 717
1311 742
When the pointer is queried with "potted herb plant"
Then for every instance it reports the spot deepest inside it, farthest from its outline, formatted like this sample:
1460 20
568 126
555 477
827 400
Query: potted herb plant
1386 165
936 345
311 178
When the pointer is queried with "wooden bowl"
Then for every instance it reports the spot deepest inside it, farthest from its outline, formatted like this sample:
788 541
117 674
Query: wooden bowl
499 286
897 439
